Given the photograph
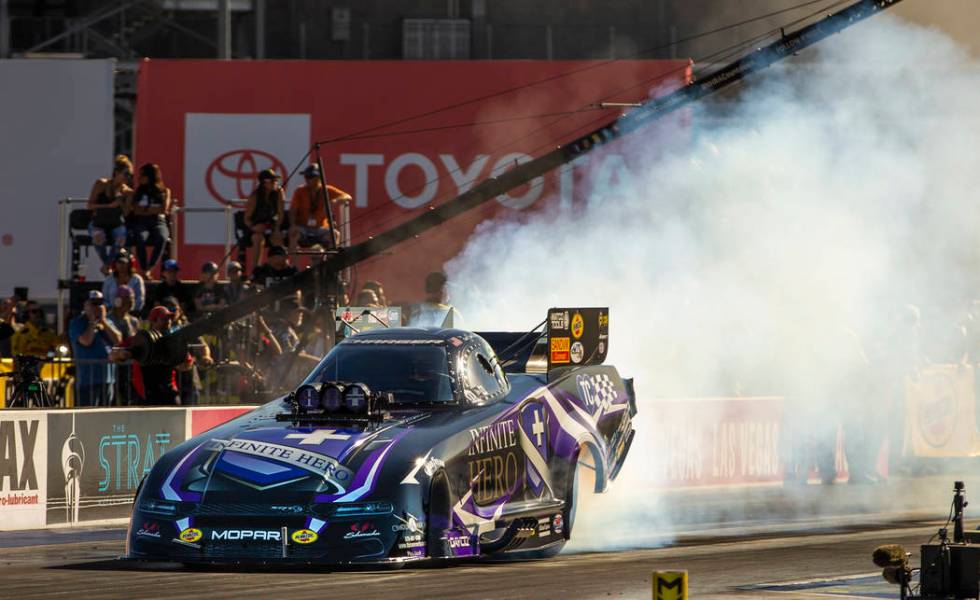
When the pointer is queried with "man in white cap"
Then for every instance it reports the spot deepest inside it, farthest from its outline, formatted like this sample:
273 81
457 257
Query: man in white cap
92 337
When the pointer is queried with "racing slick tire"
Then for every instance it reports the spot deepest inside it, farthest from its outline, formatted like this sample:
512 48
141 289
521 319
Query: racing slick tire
579 489
438 515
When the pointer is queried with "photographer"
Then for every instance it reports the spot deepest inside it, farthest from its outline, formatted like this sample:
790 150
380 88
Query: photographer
92 337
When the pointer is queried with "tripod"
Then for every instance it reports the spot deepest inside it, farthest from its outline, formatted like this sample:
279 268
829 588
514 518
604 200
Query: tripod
28 393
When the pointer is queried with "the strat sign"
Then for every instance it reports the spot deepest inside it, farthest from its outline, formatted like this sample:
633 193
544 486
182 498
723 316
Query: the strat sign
23 469
212 127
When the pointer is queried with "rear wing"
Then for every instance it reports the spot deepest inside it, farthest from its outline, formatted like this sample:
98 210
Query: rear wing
572 337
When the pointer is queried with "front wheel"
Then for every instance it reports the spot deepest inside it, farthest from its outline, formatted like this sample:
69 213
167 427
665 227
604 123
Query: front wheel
438 515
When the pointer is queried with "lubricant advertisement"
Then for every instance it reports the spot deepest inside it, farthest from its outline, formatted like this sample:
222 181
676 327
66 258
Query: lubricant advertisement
212 125
97 458
23 469
941 415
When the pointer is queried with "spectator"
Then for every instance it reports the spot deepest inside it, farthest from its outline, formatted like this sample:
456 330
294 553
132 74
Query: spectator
188 378
172 286
121 313
149 207
35 338
208 297
295 362
121 316
435 311
107 201
122 275
8 326
308 212
238 287
264 213
158 383
379 291
92 337
274 271
368 299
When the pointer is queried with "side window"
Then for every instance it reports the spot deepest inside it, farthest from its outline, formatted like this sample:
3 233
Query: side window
485 381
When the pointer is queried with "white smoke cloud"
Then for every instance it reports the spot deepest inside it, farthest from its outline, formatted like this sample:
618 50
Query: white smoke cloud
773 255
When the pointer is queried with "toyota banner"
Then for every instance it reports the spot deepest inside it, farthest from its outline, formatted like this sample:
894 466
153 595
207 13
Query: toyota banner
213 125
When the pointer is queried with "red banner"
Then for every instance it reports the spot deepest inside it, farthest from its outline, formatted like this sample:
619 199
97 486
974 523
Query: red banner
212 125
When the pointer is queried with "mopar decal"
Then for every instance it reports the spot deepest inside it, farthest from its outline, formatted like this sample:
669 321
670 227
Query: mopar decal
246 534
314 462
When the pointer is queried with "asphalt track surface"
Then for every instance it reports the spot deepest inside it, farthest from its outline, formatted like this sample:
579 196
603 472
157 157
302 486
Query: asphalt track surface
83 564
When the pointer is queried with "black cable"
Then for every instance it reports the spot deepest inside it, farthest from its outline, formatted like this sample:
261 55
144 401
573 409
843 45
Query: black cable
572 72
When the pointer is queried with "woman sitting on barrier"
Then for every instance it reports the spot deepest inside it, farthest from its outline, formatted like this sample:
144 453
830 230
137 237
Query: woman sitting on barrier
264 213
107 201
149 206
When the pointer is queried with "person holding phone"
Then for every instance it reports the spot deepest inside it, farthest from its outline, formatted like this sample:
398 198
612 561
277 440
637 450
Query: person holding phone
264 213
92 337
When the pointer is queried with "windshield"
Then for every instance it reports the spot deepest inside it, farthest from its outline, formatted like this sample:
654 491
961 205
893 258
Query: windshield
413 373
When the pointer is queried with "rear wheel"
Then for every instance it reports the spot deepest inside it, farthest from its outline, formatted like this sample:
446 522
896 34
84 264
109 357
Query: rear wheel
580 488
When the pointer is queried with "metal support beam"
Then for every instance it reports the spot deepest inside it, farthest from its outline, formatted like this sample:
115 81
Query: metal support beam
224 29
259 29
4 29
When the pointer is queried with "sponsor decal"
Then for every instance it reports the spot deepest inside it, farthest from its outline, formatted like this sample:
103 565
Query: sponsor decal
304 536
315 438
190 535
361 530
314 462
495 468
246 534
560 347
411 545
559 320
128 456
459 543
23 471
544 526
149 529
597 391
603 322
578 326
577 352
17 441
557 523
602 347
409 524
290 508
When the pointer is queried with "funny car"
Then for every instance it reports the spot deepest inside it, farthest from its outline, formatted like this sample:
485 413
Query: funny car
402 445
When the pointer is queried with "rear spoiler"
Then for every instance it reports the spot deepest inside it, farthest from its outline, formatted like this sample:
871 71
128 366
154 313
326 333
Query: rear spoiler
573 337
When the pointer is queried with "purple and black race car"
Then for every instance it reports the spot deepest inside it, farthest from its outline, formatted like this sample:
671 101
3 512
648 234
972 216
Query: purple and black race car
402 445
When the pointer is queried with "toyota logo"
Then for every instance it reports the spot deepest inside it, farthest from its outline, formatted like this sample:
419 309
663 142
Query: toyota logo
231 176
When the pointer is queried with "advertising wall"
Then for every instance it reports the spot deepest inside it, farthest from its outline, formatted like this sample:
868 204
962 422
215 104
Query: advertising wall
212 125
56 129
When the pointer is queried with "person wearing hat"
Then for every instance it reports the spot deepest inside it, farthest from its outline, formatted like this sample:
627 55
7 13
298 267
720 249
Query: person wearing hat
308 211
35 338
122 275
274 271
264 212
92 337
238 287
172 286
208 297
121 312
